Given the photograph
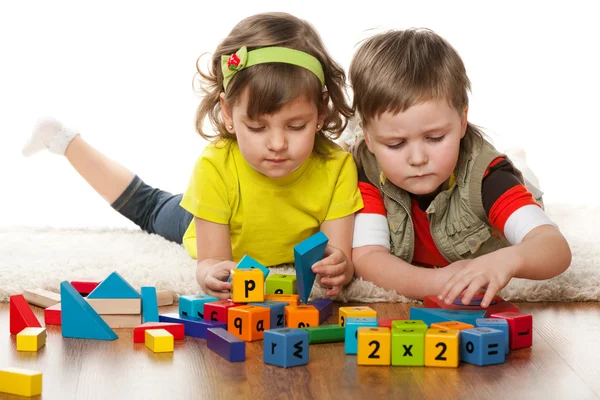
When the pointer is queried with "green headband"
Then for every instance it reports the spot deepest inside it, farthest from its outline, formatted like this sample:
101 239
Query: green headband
243 58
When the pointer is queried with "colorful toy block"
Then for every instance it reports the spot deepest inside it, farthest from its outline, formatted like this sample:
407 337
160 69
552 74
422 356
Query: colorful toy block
217 310
456 325
325 308
433 315
408 345
149 304
441 348
496 323
192 327
387 322
85 286
41 297
286 347
175 329
291 299
276 310
520 328
280 284
115 306
192 306
20 382
52 315
226 345
326 334
374 346
409 324
114 287
78 318
247 286
249 323
248 262
355 312
306 254
21 315
482 346
31 339
159 340
117 321
351 335
498 305
301 316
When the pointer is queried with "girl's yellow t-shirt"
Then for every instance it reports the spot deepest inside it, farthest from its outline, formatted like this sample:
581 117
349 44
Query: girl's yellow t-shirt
268 217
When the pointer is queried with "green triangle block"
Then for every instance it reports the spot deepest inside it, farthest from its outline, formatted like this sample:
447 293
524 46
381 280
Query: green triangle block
78 318
114 287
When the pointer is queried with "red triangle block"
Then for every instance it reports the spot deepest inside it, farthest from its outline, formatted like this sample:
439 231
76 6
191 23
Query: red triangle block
139 332
21 315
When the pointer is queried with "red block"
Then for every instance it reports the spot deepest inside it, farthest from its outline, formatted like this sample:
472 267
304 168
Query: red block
52 315
85 286
387 323
21 315
139 332
217 310
498 305
520 328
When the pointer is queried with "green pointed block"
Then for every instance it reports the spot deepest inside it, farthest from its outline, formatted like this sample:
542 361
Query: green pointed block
325 333
280 284
408 346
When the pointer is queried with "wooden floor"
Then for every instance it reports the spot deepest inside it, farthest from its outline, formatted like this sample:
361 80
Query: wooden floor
564 363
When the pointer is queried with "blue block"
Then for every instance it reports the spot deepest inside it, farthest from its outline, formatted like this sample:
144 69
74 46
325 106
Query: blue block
192 306
496 323
482 346
114 287
433 315
248 262
277 312
78 318
225 344
306 253
286 347
149 304
192 327
325 308
352 325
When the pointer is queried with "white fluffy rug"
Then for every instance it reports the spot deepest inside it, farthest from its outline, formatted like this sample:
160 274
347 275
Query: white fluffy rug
43 257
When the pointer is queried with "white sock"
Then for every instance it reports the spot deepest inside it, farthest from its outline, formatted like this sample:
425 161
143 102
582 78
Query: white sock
49 134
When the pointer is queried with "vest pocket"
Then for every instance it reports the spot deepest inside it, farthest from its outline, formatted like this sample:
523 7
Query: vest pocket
471 240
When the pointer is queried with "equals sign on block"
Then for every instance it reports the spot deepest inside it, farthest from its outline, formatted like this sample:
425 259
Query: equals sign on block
492 346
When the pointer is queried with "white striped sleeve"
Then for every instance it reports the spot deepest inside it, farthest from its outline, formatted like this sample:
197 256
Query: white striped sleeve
522 221
371 230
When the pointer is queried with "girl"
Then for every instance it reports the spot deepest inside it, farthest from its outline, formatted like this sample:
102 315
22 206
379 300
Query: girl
436 193
271 176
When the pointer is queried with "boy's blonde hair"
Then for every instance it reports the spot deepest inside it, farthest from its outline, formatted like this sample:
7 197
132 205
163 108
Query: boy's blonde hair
270 86
395 70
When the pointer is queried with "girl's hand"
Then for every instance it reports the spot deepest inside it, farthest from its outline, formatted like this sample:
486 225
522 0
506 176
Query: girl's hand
491 272
334 270
215 280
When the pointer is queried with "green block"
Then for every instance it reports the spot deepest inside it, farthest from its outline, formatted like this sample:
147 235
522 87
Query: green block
325 333
280 284
408 346
410 324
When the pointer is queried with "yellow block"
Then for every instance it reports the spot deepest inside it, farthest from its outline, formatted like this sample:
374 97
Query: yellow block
21 382
441 348
455 325
31 339
248 286
374 346
159 340
355 312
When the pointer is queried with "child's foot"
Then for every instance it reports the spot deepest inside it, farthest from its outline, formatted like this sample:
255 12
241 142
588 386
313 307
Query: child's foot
49 134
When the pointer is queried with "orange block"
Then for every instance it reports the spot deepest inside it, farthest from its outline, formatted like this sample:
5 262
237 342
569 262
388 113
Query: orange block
456 325
301 316
248 322
291 299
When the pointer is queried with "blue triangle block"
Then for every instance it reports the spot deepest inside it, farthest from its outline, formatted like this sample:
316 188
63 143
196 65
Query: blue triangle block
433 315
114 287
78 318
248 262
306 253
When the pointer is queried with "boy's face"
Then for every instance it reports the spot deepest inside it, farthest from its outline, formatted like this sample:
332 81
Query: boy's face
417 149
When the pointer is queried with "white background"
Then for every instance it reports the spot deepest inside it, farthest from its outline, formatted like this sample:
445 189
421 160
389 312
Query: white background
121 73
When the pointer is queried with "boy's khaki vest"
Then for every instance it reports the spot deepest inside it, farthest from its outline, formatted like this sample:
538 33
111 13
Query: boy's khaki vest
459 225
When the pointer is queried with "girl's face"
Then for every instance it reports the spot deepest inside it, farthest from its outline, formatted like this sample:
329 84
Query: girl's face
276 144
417 149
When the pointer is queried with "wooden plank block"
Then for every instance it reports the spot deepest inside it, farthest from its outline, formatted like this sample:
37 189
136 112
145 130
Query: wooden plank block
122 320
21 382
116 306
164 297
41 297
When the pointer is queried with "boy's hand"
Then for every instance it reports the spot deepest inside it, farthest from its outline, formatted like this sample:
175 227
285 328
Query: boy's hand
491 272
334 270
215 280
